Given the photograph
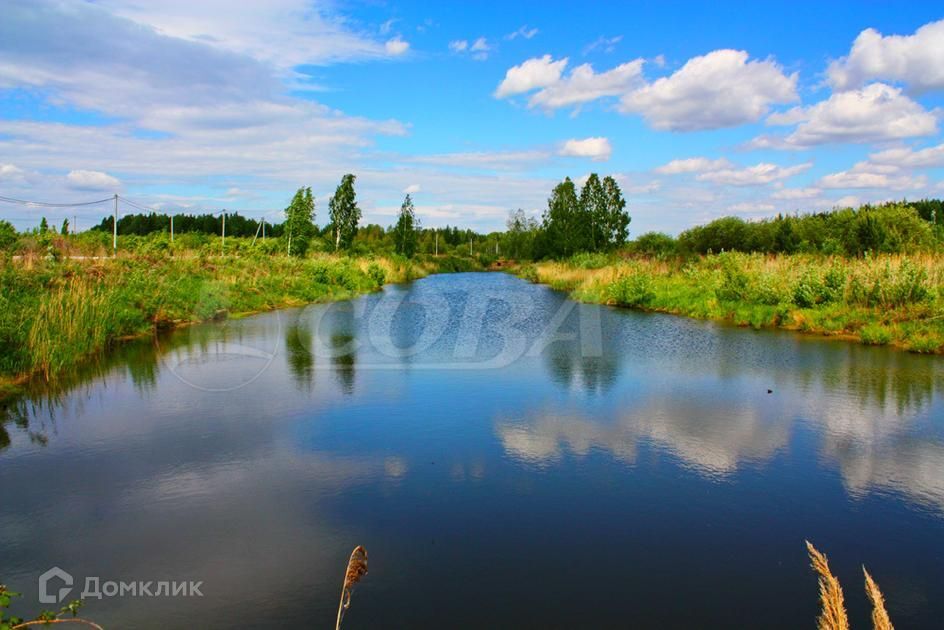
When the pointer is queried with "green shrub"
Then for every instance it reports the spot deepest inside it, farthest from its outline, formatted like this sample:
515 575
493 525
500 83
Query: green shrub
632 290
876 335
377 274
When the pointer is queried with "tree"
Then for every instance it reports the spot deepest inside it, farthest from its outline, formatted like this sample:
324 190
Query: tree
519 235
7 234
344 213
593 206
299 222
562 220
404 234
65 227
43 226
615 218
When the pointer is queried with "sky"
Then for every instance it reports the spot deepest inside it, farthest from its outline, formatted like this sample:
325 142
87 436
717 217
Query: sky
699 110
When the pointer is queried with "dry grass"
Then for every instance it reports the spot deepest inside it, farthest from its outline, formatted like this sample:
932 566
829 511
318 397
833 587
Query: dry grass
356 569
880 619
833 614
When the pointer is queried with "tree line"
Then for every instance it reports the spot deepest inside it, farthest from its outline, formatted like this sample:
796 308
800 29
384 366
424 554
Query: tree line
896 227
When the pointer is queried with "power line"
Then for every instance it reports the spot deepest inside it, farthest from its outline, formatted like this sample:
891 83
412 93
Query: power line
45 204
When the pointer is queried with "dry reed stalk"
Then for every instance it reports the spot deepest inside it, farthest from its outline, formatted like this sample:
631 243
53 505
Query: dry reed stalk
880 618
356 569
833 615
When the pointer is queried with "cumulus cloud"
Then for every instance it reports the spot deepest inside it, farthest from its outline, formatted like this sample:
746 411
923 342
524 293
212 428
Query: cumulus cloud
693 165
458 45
92 180
759 174
412 189
916 60
597 149
396 46
874 113
904 156
583 85
720 89
875 176
534 73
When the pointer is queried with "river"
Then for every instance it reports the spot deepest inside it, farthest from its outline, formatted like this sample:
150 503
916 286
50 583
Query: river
508 458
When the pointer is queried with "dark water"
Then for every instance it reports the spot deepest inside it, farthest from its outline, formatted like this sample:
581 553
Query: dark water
508 459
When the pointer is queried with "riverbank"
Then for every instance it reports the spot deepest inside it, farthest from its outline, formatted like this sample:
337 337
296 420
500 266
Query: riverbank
882 300
55 314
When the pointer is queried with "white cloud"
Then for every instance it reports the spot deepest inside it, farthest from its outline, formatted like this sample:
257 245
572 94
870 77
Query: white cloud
459 45
387 26
497 160
875 113
720 89
597 149
91 180
524 31
797 193
875 176
412 189
693 165
903 156
396 46
916 60
606 44
480 49
284 33
10 172
751 207
583 85
534 73
759 174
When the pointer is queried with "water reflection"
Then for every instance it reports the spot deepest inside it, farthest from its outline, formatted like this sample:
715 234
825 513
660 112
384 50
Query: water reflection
653 433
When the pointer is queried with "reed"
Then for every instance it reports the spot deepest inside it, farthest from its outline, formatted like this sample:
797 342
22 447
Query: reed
356 569
833 613
880 618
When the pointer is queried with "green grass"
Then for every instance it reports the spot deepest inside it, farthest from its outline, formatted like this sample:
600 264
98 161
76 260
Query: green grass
56 313
882 300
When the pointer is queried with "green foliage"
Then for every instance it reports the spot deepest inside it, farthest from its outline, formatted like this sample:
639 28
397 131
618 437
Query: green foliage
8 622
655 244
875 335
344 213
735 283
520 234
596 221
890 228
377 274
634 289
299 222
587 260
405 230
8 235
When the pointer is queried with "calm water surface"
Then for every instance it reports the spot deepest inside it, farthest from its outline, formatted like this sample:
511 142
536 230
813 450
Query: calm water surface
508 458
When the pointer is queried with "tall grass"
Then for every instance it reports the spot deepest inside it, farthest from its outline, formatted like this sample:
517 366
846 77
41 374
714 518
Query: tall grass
889 299
55 312
832 606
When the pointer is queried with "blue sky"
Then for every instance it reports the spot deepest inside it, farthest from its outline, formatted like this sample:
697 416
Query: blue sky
699 109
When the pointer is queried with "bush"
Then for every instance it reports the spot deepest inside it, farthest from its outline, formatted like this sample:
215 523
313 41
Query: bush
632 290
588 260
876 335
377 274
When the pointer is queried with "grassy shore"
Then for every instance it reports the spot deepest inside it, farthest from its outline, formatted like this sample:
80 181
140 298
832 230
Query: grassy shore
57 313
883 300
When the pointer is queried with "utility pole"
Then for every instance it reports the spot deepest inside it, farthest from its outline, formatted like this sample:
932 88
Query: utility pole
437 242
75 224
114 233
263 228
470 246
223 236
171 228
